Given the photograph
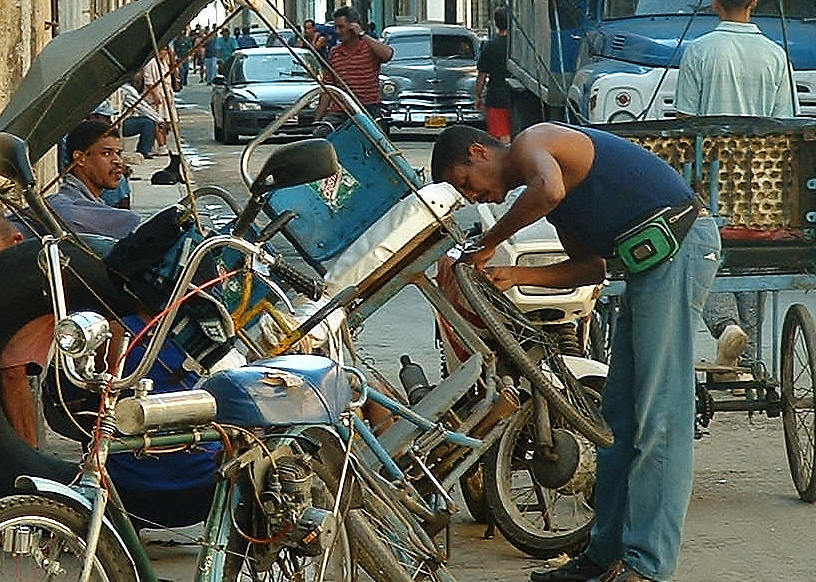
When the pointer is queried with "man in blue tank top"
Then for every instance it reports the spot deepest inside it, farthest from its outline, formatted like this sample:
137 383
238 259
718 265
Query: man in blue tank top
604 195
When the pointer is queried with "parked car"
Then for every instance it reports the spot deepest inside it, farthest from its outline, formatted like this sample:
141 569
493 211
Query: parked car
430 80
282 37
259 85
260 35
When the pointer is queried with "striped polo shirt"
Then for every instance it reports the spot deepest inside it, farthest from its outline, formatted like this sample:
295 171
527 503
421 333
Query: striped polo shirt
359 68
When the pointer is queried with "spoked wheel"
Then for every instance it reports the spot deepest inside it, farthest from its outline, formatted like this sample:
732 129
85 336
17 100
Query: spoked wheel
216 208
516 335
543 519
389 542
386 539
798 381
44 539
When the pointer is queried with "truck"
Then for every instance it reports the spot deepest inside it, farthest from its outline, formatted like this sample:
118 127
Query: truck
607 61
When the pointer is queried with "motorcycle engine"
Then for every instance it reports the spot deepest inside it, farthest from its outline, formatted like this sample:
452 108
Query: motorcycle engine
288 503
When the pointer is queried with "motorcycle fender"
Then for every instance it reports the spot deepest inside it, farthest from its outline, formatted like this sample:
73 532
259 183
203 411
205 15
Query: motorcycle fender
49 488
584 367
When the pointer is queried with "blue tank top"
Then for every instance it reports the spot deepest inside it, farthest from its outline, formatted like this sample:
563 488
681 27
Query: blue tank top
625 185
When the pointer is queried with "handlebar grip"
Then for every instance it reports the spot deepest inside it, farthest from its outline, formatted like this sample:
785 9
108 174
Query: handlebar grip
312 287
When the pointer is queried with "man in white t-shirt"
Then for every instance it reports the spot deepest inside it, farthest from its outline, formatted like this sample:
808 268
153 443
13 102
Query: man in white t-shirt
735 70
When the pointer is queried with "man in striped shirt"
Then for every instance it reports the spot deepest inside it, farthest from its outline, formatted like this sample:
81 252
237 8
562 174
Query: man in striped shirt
356 61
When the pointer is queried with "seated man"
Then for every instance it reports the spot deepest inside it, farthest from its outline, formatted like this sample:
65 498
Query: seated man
94 150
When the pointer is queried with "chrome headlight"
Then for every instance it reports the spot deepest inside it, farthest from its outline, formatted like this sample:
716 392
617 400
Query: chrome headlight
81 333
244 106
389 88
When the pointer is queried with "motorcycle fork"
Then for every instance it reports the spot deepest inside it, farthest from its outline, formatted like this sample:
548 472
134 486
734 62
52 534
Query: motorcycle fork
541 419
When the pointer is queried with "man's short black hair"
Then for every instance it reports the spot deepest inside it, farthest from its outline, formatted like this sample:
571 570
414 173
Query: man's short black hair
87 133
500 17
452 148
350 13
735 4
307 21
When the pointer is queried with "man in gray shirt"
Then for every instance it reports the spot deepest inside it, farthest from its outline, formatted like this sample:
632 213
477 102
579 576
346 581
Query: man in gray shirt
94 150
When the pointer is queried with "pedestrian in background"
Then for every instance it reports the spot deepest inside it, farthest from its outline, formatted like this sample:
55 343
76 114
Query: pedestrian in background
182 45
356 60
225 46
211 59
735 70
246 40
492 67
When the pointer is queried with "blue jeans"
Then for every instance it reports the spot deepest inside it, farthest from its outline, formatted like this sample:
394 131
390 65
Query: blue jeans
142 126
211 68
741 308
644 480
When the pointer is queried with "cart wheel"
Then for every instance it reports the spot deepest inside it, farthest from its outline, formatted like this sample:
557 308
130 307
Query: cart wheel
798 381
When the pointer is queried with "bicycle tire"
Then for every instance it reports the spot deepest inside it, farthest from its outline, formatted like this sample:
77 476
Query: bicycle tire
391 543
578 409
39 533
798 380
536 520
216 207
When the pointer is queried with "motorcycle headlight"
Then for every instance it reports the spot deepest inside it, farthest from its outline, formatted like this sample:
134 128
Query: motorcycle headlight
81 333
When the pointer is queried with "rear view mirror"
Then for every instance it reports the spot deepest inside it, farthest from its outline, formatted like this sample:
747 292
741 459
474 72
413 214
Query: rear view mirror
296 163
14 162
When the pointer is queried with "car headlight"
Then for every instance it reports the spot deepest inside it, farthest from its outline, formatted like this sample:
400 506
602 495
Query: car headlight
244 106
389 88
81 333
314 102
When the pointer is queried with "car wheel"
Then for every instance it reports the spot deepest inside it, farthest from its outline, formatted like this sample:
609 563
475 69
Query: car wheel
230 135
218 133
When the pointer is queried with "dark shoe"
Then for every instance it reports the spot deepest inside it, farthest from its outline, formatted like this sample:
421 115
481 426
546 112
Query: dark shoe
579 569
622 572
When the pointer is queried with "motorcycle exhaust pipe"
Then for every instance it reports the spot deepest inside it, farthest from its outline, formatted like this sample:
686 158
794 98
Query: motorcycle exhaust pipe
138 415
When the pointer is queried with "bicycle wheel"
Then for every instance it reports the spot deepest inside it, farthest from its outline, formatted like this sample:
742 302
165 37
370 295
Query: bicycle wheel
538 520
515 334
216 208
44 539
472 485
798 381
263 560
387 539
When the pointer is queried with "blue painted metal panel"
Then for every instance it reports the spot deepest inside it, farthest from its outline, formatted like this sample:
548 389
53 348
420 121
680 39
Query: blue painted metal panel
329 219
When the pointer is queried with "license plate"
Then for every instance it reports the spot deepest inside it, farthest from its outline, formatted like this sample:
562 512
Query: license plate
435 121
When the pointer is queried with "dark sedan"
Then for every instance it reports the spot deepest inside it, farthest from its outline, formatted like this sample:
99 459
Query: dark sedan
430 80
260 84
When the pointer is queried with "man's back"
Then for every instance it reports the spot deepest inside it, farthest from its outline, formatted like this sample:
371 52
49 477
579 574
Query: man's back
734 70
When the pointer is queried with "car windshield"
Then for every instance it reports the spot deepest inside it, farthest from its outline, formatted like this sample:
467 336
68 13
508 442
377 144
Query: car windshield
272 68
626 8
418 46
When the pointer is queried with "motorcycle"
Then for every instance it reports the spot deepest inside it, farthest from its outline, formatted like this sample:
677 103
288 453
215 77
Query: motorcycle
291 500
379 230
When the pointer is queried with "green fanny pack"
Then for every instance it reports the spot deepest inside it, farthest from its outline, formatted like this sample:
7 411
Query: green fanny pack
656 239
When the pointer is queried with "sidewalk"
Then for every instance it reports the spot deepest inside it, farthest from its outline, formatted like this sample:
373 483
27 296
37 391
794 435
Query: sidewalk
146 199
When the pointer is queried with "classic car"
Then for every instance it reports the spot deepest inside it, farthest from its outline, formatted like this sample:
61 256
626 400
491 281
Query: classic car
260 84
430 79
